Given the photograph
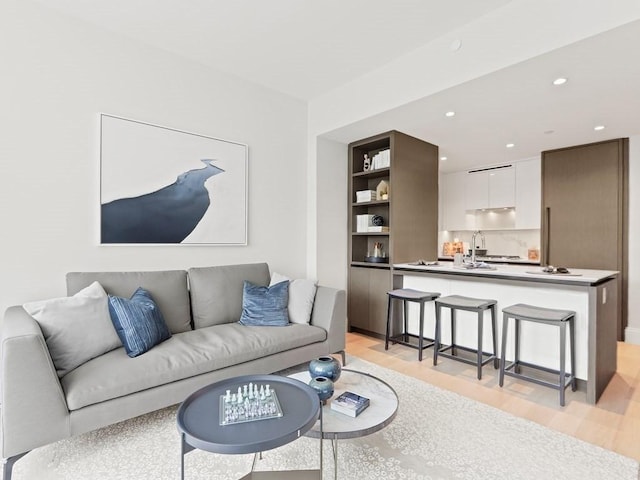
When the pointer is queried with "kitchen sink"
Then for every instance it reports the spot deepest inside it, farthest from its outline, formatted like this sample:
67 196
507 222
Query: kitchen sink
475 266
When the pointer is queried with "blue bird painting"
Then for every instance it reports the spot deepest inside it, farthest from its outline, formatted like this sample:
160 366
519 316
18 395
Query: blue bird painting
167 215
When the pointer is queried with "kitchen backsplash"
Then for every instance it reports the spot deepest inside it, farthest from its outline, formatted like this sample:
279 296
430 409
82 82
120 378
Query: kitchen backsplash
497 242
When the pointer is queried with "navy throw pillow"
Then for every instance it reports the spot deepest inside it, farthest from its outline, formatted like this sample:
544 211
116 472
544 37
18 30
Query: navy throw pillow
265 306
138 322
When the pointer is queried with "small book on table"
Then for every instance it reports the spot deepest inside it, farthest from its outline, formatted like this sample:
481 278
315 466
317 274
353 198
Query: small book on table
349 403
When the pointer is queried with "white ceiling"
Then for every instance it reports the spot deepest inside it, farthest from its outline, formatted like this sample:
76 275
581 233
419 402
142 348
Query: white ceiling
305 49
300 47
519 104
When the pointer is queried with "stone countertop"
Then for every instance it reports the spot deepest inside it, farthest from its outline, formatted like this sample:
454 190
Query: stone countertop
504 260
531 273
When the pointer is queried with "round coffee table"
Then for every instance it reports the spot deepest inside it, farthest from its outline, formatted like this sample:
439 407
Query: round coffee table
199 422
337 426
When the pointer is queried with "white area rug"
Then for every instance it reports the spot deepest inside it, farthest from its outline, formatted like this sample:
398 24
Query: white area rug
435 435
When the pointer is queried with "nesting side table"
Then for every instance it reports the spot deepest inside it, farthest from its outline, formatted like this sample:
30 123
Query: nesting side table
199 423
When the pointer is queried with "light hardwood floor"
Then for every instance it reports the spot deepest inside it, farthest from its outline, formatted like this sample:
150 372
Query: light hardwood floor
614 423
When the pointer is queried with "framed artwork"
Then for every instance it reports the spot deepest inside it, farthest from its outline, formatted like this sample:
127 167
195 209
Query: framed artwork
160 185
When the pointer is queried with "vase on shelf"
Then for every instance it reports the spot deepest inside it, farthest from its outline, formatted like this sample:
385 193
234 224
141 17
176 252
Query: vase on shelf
323 387
325 366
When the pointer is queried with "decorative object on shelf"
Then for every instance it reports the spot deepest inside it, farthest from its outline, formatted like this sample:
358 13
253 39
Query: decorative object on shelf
367 163
377 220
366 196
370 259
325 366
382 190
323 387
382 159
378 256
533 254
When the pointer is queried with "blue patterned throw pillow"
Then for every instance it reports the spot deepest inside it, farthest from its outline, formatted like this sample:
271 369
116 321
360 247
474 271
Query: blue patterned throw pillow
138 322
265 306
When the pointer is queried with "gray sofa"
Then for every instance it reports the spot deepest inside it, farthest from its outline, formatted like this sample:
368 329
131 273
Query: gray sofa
201 308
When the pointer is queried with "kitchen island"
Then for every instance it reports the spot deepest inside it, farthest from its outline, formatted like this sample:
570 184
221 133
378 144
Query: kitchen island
592 294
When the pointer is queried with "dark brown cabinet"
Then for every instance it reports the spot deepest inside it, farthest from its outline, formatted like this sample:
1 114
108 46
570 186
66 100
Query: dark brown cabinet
584 210
409 215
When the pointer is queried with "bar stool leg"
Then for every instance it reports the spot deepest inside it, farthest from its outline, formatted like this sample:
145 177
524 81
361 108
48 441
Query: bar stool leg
572 346
436 345
420 333
405 333
563 342
517 351
493 336
479 357
388 332
453 331
503 352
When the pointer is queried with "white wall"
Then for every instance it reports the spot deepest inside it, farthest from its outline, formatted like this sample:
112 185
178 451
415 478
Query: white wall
632 332
57 74
331 210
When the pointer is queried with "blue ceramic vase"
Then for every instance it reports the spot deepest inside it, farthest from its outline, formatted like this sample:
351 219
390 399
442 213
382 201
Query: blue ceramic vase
323 387
327 367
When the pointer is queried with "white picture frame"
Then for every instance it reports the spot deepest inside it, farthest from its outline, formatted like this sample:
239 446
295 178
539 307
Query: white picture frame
163 186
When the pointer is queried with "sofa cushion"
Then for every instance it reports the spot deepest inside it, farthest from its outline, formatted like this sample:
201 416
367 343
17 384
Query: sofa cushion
168 288
216 292
77 328
265 306
301 297
182 356
138 322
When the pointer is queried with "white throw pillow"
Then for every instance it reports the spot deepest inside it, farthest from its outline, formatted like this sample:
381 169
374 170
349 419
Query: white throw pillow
301 296
76 328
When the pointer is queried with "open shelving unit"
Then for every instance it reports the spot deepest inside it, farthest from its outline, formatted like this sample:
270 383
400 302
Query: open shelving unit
410 213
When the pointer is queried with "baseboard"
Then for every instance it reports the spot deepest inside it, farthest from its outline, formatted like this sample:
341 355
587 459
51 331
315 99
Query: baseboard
632 335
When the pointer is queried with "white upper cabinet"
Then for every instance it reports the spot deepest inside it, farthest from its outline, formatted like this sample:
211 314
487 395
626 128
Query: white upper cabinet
502 188
490 189
528 194
476 190
452 201
463 193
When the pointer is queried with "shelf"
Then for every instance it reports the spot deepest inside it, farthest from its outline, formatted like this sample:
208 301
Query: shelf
382 234
384 266
380 172
369 204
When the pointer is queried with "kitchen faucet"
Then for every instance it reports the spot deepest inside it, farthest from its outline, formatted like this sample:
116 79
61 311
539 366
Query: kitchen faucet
473 244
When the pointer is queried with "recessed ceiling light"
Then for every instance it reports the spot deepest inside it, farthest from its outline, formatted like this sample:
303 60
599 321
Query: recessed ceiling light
510 145
443 158
598 127
450 113
560 81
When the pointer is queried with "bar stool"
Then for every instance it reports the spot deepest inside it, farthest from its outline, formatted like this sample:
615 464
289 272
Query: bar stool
478 305
549 316
408 295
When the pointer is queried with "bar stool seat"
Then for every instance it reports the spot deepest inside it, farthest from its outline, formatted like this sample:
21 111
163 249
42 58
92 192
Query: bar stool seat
549 316
404 338
478 305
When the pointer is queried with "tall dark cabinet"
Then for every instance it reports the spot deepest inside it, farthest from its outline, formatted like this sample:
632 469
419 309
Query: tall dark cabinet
409 215
585 210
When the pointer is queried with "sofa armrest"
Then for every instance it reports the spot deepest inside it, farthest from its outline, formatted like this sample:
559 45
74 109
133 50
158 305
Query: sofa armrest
34 410
330 313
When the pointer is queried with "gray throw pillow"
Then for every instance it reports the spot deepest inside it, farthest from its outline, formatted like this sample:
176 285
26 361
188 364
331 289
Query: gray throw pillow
76 328
265 306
